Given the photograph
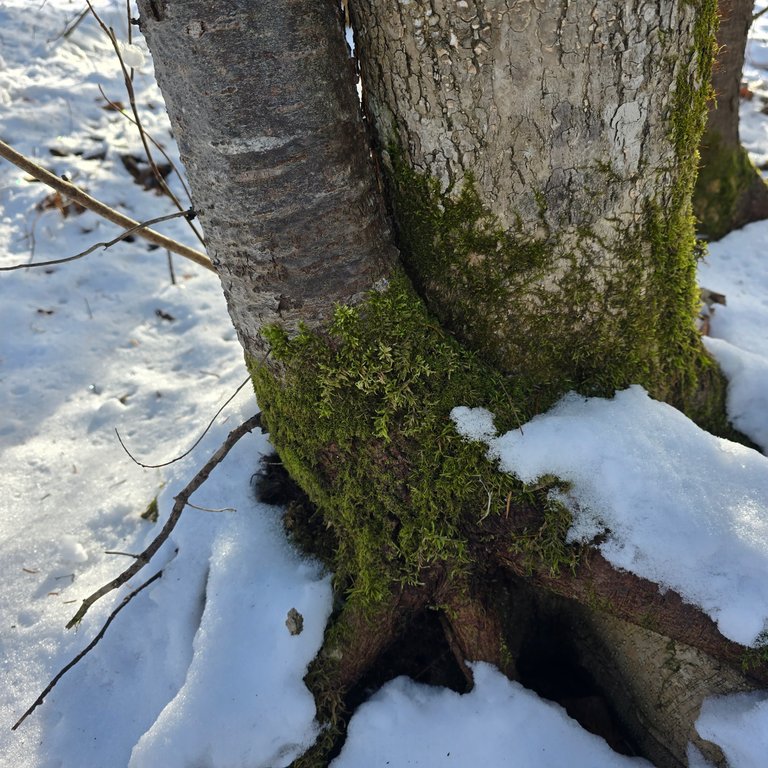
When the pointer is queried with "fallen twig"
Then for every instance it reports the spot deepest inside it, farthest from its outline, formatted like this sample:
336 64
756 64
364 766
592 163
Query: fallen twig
178 507
41 698
105 245
92 204
110 33
193 446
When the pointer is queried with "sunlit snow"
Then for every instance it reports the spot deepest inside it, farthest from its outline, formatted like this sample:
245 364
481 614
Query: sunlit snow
669 502
201 669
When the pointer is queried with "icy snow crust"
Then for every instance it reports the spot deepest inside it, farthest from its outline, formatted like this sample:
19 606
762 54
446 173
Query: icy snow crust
676 505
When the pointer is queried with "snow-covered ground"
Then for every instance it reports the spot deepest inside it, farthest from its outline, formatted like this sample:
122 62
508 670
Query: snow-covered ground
201 669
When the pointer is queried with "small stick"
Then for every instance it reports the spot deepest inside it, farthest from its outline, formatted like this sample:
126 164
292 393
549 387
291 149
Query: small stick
41 698
128 79
178 507
105 245
193 446
121 111
71 26
92 204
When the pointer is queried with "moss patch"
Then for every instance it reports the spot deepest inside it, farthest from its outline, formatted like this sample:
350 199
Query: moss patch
541 314
361 419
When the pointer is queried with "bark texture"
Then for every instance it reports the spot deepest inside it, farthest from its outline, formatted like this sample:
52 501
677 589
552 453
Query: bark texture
730 191
657 684
536 147
482 88
554 136
270 134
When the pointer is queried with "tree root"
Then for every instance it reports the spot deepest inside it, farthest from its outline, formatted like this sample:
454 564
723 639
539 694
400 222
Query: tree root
353 643
474 628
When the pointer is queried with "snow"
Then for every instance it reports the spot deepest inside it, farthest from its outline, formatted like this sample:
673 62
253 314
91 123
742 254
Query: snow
668 501
437 727
736 265
726 720
200 668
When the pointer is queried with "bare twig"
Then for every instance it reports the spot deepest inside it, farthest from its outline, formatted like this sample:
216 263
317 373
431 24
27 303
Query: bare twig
210 509
124 554
130 27
71 26
105 245
756 16
178 507
194 445
171 270
137 119
41 698
121 110
92 204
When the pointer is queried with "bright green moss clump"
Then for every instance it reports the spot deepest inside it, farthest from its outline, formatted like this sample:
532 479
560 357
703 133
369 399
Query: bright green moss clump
361 419
538 312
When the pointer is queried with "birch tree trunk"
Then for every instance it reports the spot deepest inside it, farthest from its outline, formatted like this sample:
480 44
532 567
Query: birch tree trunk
270 135
538 167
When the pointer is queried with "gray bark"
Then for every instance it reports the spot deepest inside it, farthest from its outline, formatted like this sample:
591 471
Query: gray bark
730 191
265 114
536 100
735 21
567 119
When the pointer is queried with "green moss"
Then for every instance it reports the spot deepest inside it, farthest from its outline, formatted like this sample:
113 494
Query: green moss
151 512
546 544
361 418
534 309
576 310
757 656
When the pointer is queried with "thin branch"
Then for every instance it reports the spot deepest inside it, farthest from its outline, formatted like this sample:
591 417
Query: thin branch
171 270
756 16
92 204
121 110
193 446
41 698
210 509
124 554
105 245
71 26
178 507
142 135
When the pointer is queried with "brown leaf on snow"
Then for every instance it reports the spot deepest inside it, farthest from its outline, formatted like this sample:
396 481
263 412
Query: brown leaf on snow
62 204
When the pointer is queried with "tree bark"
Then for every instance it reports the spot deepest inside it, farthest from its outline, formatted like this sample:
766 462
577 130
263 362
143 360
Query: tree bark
730 191
270 134
556 139
546 158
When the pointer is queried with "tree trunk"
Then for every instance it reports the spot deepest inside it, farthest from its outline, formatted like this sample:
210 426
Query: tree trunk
270 135
730 191
539 167
541 156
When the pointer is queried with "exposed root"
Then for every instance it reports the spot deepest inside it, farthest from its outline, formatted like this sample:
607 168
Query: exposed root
353 643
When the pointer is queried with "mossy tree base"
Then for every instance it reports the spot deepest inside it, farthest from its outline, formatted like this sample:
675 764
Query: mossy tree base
360 416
